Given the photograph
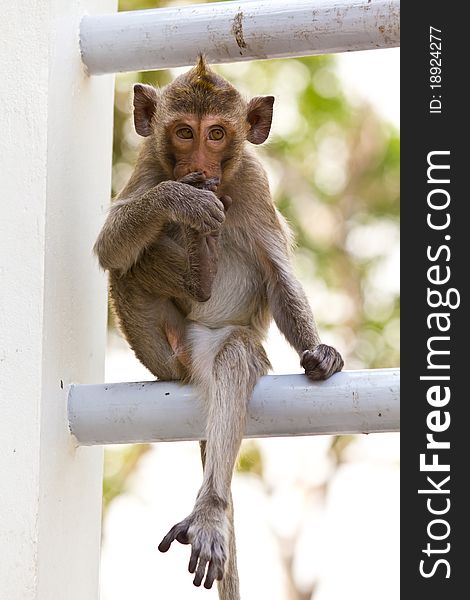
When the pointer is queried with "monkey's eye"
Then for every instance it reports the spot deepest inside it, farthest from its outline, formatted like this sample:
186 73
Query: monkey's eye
184 133
216 134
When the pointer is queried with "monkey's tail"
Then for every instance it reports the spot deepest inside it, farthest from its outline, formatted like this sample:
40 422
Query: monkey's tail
229 587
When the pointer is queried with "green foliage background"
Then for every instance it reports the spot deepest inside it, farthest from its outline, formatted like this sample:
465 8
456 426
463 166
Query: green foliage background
334 169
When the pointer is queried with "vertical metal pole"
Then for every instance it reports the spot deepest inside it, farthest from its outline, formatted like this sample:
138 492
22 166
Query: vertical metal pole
55 146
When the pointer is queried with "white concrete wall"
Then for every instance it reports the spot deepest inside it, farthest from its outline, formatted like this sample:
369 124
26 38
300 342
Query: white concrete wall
55 150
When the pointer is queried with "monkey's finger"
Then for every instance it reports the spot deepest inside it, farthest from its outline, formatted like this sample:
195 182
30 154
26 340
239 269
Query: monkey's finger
193 178
212 183
210 208
321 362
331 360
217 208
309 361
215 218
212 224
226 201
315 375
331 365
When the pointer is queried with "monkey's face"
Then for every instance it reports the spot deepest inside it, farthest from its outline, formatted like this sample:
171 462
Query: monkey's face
201 144
200 123
212 143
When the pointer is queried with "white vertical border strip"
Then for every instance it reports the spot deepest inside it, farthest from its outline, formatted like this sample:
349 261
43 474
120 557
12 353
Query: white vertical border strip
55 184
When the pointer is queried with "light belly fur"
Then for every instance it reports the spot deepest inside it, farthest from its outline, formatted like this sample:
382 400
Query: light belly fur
237 292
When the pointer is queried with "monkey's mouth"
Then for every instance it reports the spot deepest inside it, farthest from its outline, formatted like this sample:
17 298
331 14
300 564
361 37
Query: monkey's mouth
199 180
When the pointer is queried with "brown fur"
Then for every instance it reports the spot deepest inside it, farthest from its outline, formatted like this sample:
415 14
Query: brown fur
168 245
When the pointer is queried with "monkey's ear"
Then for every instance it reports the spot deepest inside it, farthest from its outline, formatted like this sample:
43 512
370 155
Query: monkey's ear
260 115
145 104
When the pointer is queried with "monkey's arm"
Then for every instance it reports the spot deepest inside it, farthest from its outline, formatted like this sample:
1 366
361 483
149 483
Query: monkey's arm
134 223
293 315
201 251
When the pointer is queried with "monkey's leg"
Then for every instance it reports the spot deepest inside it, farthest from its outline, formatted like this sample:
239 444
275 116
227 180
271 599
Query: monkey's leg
226 364
153 327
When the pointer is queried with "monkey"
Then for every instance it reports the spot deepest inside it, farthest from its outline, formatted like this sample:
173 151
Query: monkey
199 262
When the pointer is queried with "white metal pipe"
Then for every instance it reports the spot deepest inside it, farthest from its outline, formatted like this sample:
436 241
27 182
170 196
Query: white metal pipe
235 31
282 405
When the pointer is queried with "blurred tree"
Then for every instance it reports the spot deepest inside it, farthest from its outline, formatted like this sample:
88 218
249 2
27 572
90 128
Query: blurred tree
119 463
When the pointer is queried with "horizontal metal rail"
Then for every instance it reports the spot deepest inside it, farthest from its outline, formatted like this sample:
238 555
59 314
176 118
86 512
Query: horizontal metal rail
282 405
235 31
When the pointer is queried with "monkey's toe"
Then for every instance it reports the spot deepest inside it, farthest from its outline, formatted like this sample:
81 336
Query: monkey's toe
321 362
178 532
208 551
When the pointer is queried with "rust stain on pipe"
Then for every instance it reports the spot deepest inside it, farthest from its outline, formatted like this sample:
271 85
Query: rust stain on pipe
237 30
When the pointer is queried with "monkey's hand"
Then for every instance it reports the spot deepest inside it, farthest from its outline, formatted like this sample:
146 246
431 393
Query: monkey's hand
198 180
198 209
206 531
321 362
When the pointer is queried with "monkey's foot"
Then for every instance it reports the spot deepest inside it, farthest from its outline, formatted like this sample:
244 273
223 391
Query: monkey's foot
207 532
321 362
